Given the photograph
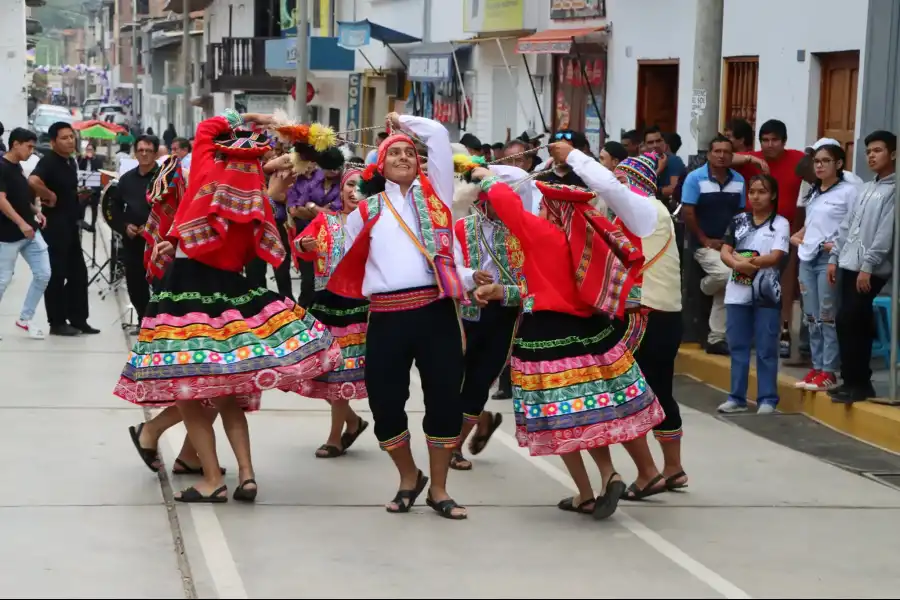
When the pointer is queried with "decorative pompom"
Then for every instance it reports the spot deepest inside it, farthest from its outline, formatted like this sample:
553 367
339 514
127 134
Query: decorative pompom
321 137
293 133
463 163
369 172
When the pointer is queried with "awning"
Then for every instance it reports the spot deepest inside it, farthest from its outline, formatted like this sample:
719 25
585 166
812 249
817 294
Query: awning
355 34
170 38
433 62
177 6
554 41
497 35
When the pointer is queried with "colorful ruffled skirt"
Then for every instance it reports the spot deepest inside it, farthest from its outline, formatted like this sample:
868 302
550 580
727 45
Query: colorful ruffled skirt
209 334
576 385
347 320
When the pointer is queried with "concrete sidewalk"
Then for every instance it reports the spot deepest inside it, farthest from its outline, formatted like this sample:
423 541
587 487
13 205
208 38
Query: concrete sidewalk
82 516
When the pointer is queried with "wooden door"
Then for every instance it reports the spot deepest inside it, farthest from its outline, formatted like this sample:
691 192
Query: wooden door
837 103
657 102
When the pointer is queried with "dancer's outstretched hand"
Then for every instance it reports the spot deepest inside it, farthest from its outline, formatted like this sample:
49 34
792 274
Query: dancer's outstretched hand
488 293
393 119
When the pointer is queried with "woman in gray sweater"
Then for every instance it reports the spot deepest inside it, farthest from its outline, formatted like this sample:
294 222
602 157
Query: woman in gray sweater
860 265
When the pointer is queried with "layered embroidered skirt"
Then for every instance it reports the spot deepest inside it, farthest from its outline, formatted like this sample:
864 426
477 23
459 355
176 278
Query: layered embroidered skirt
576 386
209 334
347 320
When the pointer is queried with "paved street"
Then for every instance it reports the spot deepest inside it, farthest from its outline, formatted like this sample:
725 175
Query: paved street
82 517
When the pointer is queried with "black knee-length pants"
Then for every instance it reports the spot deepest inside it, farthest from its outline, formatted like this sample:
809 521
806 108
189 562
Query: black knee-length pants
488 342
656 358
432 338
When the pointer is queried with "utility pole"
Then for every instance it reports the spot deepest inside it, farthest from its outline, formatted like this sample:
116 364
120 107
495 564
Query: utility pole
704 127
302 21
187 110
135 98
707 72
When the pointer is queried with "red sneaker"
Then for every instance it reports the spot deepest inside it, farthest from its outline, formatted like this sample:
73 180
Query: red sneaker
823 383
804 383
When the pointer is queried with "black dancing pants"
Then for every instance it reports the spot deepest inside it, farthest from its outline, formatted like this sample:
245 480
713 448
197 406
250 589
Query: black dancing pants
430 336
488 343
656 358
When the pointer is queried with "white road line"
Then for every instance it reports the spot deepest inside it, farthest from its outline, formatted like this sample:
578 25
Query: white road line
650 537
216 553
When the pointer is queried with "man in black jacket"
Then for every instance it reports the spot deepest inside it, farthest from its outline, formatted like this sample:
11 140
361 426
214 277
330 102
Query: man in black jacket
129 211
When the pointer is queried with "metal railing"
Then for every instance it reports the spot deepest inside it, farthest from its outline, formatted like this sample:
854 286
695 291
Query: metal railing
236 57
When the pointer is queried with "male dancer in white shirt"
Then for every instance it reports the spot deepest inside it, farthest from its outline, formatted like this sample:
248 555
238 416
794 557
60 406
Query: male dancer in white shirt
401 259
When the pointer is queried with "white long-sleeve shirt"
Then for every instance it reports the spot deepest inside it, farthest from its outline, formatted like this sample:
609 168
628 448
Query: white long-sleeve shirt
636 212
394 261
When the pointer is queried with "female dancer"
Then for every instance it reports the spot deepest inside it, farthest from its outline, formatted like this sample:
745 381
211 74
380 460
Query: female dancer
576 385
164 197
322 243
208 337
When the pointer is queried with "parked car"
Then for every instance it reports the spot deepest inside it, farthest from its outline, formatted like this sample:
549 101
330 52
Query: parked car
114 113
90 108
40 124
49 109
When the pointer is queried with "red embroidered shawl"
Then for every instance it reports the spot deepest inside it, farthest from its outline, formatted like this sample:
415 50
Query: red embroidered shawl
227 186
606 259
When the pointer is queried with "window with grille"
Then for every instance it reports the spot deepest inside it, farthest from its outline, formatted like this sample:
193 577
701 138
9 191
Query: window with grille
741 78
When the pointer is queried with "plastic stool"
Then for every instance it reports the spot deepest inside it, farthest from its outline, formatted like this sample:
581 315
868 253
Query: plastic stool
881 346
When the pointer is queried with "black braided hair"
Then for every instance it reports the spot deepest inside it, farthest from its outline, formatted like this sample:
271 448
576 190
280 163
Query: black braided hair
374 186
306 152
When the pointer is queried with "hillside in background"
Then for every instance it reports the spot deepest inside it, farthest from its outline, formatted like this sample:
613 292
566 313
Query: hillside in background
62 14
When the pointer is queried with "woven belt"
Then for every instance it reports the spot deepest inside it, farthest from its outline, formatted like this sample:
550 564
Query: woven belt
403 300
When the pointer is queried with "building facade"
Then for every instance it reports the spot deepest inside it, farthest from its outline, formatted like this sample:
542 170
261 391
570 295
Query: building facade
485 66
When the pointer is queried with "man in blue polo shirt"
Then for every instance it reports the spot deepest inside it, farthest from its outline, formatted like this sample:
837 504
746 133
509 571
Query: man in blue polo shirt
711 196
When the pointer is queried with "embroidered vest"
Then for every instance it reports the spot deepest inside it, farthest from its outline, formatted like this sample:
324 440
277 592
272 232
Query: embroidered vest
505 250
329 235
434 240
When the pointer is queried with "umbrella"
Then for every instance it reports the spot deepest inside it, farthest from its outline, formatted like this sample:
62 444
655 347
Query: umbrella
98 132
82 125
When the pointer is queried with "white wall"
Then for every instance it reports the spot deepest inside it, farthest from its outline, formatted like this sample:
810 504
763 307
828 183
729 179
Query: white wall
648 30
789 90
520 112
13 104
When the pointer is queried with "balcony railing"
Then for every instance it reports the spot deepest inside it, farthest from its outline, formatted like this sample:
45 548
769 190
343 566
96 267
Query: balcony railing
240 64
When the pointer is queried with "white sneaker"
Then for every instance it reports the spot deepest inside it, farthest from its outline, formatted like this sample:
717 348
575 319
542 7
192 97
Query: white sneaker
34 332
765 409
731 406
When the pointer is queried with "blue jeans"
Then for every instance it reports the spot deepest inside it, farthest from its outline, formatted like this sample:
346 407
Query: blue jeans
746 324
38 258
820 310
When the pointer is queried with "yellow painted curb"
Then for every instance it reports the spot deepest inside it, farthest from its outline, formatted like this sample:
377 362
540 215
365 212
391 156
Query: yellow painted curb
873 423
